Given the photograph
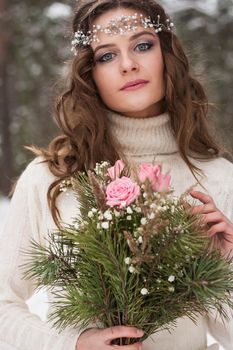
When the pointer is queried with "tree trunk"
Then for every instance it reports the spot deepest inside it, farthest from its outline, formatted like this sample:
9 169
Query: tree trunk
6 155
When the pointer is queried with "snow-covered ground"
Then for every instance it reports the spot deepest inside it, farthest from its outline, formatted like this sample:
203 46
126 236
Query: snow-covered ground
38 303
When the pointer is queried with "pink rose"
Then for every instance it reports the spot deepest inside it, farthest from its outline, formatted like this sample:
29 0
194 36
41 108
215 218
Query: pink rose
160 182
115 171
122 192
148 171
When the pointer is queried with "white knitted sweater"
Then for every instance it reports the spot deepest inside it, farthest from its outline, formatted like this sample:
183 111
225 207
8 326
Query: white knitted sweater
142 140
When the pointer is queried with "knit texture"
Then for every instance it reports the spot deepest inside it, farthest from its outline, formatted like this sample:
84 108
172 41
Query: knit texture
141 140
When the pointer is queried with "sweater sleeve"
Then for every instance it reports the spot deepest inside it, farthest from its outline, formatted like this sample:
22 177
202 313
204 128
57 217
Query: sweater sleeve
20 329
223 331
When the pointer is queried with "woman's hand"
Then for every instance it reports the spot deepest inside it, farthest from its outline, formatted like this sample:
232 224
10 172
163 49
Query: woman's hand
219 225
101 339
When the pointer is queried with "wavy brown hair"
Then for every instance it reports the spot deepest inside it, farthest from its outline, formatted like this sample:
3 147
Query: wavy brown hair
81 114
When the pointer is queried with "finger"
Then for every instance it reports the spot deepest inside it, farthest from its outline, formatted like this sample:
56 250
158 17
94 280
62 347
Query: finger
204 198
218 228
203 209
109 334
136 346
213 217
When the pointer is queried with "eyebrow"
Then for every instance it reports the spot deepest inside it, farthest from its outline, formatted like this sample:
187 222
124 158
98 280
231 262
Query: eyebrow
133 37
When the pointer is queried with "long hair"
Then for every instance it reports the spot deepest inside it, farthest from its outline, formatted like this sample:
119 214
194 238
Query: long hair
82 115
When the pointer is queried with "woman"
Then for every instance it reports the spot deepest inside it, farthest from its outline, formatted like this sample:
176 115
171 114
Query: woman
130 96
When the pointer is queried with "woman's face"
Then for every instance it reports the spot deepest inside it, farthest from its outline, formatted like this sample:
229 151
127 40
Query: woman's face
127 58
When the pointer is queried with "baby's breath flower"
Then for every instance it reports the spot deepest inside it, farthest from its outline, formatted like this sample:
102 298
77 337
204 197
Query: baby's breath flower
132 269
108 215
129 210
117 213
127 261
94 210
143 221
64 185
164 208
171 289
63 189
76 225
138 209
104 164
129 217
90 214
105 225
140 240
153 206
171 279
144 291
151 216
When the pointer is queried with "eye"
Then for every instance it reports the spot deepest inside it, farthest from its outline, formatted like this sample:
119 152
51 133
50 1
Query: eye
144 46
105 58
109 55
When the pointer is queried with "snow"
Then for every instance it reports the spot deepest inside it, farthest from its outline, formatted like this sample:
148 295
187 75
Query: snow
206 6
57 10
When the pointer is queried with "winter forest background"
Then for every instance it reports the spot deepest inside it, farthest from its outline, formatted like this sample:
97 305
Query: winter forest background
35 49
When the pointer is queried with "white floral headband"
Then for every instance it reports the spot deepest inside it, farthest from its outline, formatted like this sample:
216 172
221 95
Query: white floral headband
118 25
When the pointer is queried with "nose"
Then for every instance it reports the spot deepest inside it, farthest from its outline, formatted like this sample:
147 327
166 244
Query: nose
128 64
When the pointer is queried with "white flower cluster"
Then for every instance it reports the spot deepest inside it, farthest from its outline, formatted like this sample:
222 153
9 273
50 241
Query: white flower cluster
105 219
92 213
144 291
64 185
131 269
100 168
171 279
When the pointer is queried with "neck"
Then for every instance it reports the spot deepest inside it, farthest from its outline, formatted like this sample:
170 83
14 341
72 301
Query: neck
152 111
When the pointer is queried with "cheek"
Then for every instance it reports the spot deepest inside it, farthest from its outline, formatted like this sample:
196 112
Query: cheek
103 79
159 67
159 74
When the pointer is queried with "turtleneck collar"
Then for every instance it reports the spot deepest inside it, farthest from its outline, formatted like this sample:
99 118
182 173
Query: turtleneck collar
151 136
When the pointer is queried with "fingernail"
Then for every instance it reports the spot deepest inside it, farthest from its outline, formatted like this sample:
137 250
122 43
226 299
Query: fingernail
140 332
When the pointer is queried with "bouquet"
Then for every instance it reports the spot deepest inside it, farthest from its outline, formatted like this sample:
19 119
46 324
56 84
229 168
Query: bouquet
134 255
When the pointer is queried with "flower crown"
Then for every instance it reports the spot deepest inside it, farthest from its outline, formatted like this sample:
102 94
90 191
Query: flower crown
118 25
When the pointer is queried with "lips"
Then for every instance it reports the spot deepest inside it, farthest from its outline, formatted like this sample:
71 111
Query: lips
135 83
